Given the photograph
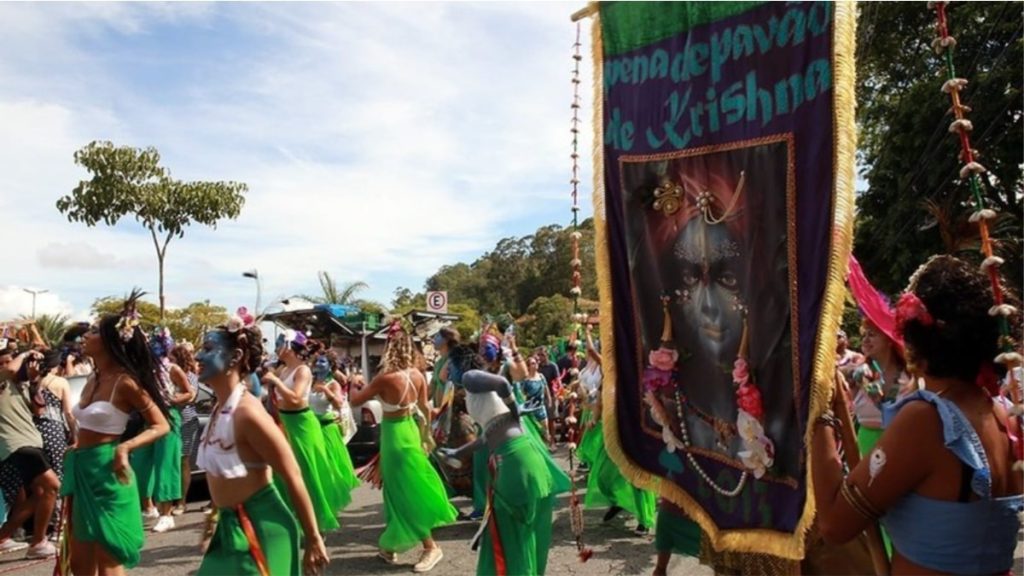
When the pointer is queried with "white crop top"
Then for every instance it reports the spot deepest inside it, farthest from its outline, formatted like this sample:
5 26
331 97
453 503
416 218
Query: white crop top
101 416
485 407
388 407
218 454
289 382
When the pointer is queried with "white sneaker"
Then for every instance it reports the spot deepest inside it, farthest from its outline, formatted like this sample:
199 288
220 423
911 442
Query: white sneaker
42 550
164 524
428 560
11 545
150 514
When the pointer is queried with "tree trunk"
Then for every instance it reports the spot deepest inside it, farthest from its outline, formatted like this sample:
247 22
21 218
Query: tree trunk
161 258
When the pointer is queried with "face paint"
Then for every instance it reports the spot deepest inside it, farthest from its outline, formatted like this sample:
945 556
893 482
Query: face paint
322 368
215 356
876 464
710 282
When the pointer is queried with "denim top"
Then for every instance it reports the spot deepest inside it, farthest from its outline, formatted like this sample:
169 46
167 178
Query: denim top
977 537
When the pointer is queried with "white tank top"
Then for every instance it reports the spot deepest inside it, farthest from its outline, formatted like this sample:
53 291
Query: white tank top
289 382
485 406
218 454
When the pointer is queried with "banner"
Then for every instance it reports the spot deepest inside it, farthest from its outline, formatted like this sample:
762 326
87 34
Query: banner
723 196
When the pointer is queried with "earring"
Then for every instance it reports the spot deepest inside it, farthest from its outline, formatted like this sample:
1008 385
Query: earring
683 296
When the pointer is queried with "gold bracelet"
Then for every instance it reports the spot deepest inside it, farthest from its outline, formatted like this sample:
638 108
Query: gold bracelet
856 499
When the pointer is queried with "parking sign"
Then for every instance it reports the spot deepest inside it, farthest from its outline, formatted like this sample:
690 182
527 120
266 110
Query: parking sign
437 302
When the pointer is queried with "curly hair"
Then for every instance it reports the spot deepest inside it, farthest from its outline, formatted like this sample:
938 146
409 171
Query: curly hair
960 336
399 353
249 341
184 359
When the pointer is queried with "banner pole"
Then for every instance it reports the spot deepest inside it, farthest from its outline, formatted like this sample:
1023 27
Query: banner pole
876 546
586 12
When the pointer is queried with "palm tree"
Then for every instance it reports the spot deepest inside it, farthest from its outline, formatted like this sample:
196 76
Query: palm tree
344 294
51 328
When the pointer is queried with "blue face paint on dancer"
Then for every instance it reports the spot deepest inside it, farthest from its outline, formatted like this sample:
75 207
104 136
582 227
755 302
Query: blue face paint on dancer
215 357
322 368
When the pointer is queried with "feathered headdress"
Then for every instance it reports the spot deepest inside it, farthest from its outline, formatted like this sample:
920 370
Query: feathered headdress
130 317
874 305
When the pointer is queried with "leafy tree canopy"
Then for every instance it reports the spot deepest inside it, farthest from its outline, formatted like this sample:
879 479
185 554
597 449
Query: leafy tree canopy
186 324
130 181
916 204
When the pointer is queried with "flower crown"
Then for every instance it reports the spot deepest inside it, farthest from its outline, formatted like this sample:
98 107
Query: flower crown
130 317
241 319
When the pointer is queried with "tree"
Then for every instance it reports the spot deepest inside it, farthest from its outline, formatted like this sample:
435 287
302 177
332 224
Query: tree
547 319
51 328
916 204
186 324
344 294
128 180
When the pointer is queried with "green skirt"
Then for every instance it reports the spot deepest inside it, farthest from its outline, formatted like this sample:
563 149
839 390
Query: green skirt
867 438
275 528
518 532
158 466
415 501
103 510
676 533
323 483
481 480
606 486
337 453
591 442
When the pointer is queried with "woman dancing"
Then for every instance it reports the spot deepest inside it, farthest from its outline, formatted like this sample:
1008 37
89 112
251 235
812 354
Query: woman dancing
290 394
940 477
253 531
415 501
182 357
516 535
105 528
158 467
328 403
606 486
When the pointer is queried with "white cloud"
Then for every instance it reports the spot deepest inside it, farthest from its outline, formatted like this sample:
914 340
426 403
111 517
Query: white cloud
379 141
15 303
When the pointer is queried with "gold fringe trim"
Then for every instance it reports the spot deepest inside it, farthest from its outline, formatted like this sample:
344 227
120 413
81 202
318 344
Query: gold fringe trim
790 546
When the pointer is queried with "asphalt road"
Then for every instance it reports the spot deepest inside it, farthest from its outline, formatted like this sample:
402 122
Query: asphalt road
353 548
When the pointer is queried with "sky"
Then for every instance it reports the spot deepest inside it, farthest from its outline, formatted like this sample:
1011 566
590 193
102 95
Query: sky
379 141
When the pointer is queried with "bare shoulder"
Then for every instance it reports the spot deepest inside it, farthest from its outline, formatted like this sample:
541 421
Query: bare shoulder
917 424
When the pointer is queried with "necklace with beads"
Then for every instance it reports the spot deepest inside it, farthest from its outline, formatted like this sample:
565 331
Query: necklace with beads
683 429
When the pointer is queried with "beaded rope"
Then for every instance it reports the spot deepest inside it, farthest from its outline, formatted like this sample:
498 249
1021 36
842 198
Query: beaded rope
577 277
943 45
575 507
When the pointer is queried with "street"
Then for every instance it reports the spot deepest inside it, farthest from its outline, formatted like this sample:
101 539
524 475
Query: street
353 548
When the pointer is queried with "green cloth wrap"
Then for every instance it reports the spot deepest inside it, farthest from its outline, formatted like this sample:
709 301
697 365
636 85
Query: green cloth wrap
103 510
481 480
676 533
337 453
524 497
591 442
606 486
276 529
415 501
157 466
323 483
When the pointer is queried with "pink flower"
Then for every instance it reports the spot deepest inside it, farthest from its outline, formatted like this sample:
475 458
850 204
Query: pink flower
748 399
655 379
740 372
243 314
663 358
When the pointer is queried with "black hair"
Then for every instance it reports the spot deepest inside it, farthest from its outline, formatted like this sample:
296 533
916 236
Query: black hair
134 355
249 341
450 336
465 358
962 335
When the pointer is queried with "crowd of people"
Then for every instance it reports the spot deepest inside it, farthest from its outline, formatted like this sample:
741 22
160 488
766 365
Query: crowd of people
481 421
